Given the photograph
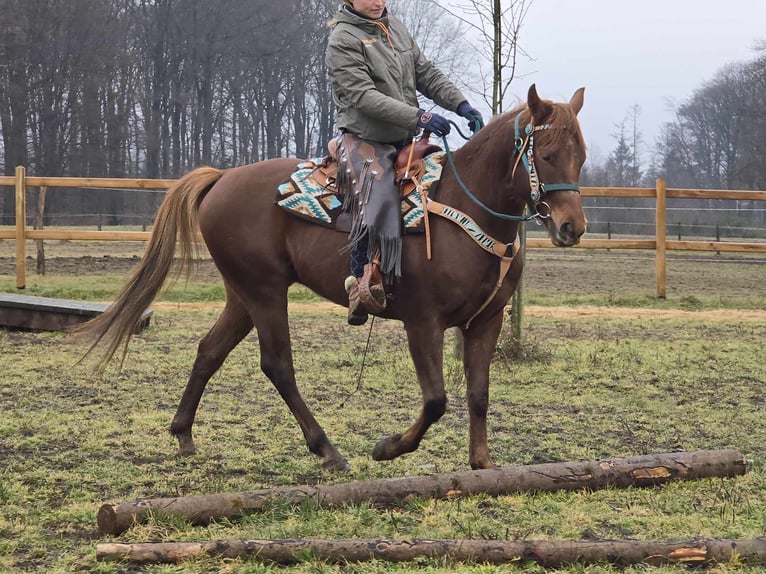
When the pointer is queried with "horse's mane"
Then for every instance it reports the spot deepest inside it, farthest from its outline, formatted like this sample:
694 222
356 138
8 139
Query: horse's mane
562 120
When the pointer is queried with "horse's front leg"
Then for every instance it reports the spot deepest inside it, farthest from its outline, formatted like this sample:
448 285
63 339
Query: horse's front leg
479 343
425 343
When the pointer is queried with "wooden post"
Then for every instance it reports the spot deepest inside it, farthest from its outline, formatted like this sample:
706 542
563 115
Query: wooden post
661 221
21 223
517 301
717 235
40 224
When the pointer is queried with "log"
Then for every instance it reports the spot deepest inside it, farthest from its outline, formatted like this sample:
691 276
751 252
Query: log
547 553
648 470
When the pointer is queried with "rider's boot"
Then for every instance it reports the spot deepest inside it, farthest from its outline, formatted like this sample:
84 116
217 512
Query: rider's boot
357 314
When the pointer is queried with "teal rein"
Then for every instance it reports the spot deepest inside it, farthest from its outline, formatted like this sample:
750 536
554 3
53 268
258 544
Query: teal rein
468 192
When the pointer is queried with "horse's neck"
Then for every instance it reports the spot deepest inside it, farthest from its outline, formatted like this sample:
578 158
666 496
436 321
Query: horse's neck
486 173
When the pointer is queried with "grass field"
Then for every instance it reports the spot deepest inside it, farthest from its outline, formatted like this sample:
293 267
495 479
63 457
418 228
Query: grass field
617 381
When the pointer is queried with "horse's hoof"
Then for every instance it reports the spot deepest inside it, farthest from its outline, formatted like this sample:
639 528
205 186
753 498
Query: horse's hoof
186 446
483 465
386 448
339 464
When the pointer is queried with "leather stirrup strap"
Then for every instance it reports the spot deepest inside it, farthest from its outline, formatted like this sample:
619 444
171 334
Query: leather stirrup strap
424 205
426 222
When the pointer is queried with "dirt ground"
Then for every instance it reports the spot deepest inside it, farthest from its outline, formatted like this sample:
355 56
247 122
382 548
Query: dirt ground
556 312
558 271
549 272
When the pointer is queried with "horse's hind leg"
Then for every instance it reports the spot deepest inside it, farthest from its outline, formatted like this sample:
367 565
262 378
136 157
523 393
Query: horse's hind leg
231 327
426 347
277 364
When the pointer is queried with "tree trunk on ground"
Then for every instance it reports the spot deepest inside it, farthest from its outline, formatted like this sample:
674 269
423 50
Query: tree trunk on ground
547 553
646 470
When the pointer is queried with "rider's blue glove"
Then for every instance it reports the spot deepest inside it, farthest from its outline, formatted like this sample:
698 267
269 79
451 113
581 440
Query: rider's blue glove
434 123
475 121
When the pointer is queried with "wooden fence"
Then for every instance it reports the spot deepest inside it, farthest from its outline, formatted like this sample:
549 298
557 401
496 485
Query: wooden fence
660 244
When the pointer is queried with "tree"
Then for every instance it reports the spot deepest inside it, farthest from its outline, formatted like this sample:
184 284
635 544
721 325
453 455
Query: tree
152 88
710 143
497 24
623 166
15 52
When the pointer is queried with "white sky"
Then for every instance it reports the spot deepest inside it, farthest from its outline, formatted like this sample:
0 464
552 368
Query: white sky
629 52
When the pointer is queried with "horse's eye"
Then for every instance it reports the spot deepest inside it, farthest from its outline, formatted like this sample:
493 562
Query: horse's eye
548 158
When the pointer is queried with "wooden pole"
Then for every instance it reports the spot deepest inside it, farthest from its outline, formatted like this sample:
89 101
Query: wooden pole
546 553
21 223
39 225
648 470
517 301
661 221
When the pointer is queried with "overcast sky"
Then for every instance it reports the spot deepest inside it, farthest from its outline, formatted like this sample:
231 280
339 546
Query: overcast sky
627 53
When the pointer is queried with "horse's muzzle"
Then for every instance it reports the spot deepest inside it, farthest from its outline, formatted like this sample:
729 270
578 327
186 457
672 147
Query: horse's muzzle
567 234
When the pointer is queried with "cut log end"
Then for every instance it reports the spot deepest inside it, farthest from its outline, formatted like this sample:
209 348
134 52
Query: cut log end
107 519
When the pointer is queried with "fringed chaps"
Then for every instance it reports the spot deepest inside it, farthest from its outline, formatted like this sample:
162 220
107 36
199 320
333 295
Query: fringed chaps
366 182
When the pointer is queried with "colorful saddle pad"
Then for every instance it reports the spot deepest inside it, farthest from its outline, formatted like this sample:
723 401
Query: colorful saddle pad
311 194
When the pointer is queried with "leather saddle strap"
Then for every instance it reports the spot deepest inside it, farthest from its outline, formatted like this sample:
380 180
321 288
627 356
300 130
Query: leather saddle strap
505 266
485 241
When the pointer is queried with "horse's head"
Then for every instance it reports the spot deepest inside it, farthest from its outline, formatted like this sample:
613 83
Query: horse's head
550 145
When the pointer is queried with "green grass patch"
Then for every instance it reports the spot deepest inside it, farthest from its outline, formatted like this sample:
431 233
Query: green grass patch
107 287
582 388
585 389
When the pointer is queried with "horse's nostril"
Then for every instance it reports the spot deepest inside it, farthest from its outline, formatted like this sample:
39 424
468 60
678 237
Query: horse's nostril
570 232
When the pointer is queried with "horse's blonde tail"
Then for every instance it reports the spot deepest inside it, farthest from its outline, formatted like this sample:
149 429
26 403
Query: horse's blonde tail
177 220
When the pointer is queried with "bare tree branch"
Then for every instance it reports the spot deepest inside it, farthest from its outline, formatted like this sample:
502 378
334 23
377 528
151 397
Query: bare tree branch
498 28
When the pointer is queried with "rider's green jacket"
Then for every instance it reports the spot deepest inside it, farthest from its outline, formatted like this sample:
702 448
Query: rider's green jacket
376 69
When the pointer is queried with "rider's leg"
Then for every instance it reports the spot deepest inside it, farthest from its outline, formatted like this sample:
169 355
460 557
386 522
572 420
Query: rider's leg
372 198
357 315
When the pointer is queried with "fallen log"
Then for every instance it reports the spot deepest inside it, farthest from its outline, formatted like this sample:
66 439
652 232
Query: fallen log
547 553
648 470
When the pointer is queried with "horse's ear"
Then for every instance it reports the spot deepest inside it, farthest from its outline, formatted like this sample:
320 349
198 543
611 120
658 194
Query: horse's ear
576 101
540 109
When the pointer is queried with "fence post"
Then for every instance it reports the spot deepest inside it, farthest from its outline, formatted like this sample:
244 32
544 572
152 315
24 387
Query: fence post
21 232
660 223
40 224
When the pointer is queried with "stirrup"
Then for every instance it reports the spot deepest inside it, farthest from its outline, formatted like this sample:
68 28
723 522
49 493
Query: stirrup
357 314
371 291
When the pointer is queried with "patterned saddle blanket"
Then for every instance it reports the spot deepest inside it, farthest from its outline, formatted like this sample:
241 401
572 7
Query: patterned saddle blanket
311 194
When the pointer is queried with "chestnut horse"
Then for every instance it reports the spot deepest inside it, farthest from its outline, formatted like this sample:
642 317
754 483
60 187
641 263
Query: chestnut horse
260 250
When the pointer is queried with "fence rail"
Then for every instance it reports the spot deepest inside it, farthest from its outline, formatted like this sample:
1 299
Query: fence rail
660 245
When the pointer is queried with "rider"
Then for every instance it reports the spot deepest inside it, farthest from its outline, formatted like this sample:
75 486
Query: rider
376 69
